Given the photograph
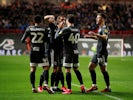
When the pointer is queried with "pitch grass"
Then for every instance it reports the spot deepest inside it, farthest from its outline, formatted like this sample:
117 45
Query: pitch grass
15 84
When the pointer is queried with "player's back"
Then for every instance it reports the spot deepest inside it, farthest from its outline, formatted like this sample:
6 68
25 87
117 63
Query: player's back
71 37
38 37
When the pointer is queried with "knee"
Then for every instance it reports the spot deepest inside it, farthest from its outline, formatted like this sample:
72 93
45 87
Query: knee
33 69
103 69
68 70
92 66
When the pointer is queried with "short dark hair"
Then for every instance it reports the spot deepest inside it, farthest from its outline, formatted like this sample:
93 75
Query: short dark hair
38 19
71 18
102 15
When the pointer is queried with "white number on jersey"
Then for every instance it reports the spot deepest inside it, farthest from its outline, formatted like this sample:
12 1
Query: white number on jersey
37 37
74 38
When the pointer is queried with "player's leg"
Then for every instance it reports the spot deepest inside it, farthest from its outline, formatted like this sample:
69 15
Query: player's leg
75 68
92 66
80 79
60 77
32 78
33 64
60 64
57 79
68 80
40 88
53 77
60 70
45 64
103 67
68 64
46 75
43 78
77 72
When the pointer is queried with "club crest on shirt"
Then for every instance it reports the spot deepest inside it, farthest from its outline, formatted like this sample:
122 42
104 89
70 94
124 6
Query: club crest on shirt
60 32
106 31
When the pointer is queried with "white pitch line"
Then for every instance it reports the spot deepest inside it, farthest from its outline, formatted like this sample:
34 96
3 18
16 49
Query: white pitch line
107 95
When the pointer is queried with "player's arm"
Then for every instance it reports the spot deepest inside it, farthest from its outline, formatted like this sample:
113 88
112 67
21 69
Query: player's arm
24 38
50 18
61 33
96 36
103 37
25 35
90 35
28 43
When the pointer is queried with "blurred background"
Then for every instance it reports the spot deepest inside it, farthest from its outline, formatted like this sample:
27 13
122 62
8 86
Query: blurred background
16 15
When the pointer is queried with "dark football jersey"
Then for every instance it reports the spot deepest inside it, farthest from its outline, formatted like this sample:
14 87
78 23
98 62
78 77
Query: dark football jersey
70 37
58 42
38 37
53 29
102 44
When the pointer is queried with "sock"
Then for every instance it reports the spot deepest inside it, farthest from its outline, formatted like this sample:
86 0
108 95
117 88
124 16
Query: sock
41 80
68 79
78 74
45 75
62 78
106 78
32 79
53 76
93 76
57 79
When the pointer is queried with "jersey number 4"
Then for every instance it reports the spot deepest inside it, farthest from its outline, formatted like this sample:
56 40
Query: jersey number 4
37 37
74 38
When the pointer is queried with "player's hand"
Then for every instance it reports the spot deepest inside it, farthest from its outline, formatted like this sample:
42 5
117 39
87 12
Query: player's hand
50 18
87 36
61 25
92 33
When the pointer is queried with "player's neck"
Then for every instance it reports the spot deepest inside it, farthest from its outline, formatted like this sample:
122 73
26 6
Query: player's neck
101 24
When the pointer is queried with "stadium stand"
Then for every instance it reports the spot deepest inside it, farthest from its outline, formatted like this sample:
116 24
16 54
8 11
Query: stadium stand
17 16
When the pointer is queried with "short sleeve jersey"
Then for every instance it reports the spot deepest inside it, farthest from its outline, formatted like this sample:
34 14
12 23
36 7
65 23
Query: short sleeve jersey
38 37
102 44
70 37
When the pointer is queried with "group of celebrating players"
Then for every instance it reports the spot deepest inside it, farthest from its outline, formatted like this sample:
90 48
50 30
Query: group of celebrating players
57 44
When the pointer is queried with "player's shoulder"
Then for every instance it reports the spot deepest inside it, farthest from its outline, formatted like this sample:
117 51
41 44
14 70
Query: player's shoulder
105 29
30 27
74 29
65 29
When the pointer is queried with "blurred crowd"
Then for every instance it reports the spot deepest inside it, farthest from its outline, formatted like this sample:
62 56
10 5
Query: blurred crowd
19 16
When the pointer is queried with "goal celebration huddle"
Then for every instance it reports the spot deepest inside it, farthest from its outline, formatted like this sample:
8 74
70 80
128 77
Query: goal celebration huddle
56 44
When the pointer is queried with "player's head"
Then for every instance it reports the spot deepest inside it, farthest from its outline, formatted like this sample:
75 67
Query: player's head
70 18
61 20
100 18
38 19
